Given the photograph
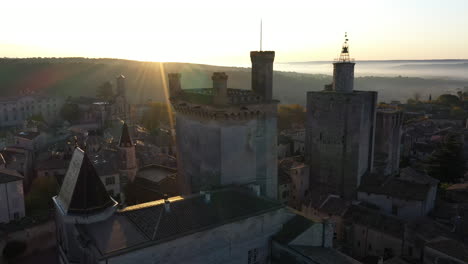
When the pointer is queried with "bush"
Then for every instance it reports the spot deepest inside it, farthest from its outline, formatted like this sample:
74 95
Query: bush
14 249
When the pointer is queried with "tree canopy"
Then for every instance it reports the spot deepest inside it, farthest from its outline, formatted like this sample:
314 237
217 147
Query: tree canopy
105 91
447 163
291 114
157 115
70 112
449 100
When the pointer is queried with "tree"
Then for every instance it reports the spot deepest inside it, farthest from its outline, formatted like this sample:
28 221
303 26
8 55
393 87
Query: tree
449 100
39 199
288 115
457 112
70 112
157 115
447 163
104 91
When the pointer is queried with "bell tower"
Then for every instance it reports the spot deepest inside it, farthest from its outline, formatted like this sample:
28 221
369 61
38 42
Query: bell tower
128 163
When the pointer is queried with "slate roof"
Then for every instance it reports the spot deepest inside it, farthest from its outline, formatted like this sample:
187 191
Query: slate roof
125 139
324 255
145 224
82 191
375 220
293 228
52 163
7 175
334 206
450 247
410 174
399 189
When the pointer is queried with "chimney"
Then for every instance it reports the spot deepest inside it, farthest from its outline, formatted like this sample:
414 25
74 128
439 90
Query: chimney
220 87
174 84
167 204
262 73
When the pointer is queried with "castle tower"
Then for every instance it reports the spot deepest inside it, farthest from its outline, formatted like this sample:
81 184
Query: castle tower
227 136
82 199
262 73
128 161
220 87
388 134
121 85
174 84
340 132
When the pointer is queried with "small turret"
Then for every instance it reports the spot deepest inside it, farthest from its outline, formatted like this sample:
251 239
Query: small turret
262 73
220 87
83 198
174 84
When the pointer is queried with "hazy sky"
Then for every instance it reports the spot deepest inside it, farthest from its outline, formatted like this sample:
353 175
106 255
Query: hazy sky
223 32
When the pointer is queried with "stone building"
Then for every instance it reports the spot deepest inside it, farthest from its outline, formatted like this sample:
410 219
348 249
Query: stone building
228 225
371 233
11 195
340 126
388 133
17 109
227 136
410 195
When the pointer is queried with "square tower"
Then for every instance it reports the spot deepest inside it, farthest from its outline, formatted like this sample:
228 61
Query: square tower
340 132
227 136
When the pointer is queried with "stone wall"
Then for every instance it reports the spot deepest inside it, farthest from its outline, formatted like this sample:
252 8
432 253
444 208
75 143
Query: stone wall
339 138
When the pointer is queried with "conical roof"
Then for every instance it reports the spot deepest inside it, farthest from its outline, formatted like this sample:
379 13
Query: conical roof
82 191
125 139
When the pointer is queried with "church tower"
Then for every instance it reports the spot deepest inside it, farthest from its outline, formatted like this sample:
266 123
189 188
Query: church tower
340 132
128 162
121 85
82 199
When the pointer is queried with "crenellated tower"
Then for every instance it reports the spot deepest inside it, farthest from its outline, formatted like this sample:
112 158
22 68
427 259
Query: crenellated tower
227 136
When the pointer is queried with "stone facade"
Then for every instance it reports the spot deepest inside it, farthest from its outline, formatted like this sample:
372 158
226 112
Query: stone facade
339 139
227 136
11 196
388 133
15 110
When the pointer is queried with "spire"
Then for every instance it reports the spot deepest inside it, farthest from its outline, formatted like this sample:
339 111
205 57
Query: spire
125 139
82 191
344 56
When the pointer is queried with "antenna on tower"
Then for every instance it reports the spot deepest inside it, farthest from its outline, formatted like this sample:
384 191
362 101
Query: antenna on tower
344 56
261 33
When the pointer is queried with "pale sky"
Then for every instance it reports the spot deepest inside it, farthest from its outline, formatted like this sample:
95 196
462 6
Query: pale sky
223 32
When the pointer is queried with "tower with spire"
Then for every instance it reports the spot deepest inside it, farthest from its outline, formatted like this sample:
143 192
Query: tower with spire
82 199
128 162
340 132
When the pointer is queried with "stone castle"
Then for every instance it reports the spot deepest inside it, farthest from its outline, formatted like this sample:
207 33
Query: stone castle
228 136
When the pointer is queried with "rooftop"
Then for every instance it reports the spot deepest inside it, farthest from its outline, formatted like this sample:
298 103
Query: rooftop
82 192
373 219
450 247
149 223
7 175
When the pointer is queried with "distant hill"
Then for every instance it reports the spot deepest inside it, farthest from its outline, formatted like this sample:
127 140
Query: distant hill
81 76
